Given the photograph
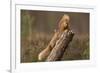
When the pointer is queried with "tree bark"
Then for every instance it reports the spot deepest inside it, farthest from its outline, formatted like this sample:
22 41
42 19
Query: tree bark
60 47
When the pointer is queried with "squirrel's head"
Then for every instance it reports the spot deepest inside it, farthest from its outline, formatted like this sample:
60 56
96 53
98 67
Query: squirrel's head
66 18
64 22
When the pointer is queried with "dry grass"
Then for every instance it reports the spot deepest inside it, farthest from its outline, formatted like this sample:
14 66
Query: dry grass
77 50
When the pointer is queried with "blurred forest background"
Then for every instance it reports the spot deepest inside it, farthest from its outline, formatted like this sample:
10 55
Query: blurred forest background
37 29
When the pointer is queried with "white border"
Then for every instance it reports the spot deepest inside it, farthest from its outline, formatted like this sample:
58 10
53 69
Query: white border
16 66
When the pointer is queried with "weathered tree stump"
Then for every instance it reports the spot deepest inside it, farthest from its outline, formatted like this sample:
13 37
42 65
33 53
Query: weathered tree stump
60 46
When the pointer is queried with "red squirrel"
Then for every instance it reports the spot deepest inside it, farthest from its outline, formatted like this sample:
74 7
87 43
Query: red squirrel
62 26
